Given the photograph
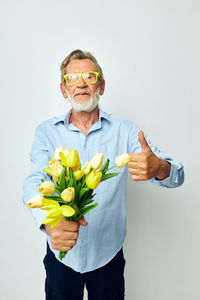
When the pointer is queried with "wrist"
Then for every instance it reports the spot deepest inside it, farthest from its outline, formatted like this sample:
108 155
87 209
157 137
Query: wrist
47 228
163 169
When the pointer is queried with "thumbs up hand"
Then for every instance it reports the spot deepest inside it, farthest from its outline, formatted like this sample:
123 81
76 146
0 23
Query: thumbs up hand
146 165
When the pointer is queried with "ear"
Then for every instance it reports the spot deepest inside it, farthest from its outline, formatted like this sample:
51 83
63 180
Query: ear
102 88
63 91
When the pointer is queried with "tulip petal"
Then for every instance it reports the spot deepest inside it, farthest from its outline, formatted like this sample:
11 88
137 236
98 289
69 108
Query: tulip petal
48 171
96 161
55 222
63 158
78 174
93 179
48 220
52 222
67 210
72 159
49 204
35 201
53 213
56 179
57 151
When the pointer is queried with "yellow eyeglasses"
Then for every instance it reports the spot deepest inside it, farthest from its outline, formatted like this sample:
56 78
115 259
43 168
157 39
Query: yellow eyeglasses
89 77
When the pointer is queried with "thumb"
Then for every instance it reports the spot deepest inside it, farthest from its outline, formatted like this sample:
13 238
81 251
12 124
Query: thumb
82 221
143 141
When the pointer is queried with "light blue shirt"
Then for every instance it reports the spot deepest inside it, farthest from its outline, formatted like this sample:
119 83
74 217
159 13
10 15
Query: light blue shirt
100 241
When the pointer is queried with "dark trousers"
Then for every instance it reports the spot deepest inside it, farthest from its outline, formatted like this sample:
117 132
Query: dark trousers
63 283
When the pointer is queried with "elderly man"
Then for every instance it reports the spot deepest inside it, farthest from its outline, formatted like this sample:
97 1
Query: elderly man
95 255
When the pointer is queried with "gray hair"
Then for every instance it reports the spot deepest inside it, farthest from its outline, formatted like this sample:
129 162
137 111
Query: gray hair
79 54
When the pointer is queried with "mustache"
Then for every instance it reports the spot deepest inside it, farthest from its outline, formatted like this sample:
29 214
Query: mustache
81 92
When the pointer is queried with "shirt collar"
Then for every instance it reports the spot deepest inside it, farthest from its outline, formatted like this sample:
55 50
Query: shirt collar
65 117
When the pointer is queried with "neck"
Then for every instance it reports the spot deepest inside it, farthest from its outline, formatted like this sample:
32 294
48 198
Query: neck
84 120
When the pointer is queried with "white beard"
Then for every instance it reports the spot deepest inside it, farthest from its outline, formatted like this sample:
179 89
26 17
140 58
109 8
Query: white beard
87 106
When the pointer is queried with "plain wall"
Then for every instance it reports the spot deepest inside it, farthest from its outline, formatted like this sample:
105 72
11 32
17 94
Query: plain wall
149 52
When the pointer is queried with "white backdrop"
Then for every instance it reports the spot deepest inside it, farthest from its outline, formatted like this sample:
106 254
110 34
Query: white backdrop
156 44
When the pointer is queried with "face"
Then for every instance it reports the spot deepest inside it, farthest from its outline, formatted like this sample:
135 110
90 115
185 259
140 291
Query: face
82 93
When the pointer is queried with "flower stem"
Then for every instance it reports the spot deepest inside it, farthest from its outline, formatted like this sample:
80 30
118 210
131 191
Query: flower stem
62 254
111 168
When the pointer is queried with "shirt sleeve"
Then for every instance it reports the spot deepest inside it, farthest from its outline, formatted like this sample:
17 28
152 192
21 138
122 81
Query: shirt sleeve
39 158
176 176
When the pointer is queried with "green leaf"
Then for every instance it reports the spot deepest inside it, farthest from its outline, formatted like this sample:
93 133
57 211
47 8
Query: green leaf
74 206
82 193
57 189
56 198
108 175
105 166
85 210
83 181
42 180
72 178
85 202
90 194
67 182
77 192
62 180
53 197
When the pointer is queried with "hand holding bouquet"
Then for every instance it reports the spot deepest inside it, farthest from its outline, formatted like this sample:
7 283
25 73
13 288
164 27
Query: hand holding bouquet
72 193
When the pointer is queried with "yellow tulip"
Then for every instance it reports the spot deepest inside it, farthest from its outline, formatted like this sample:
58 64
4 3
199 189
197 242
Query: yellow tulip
86 167
96 161
78 174
62 150
47 188
57 151
122 160
72 159
55 167
56 212
68 194
36 201
93 179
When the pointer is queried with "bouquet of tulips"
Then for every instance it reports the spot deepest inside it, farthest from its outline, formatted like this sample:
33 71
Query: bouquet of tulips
72 193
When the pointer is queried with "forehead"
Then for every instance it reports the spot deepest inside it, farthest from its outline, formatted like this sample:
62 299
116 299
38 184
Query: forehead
80 65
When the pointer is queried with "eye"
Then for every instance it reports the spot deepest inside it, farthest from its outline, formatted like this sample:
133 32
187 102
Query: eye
87 75
72 76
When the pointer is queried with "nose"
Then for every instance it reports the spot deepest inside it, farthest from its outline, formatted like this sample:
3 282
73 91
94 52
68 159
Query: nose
82 83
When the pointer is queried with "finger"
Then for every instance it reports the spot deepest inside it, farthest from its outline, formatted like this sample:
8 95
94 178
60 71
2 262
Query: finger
70 243
83 222
138 177
135 157
64 246
64 249
133 165
69 236
143 142
71 226
134 172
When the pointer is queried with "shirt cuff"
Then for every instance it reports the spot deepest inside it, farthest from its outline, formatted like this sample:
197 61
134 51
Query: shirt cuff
172 180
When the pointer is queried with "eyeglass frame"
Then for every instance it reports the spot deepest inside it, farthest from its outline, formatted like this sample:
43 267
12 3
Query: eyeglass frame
81 75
